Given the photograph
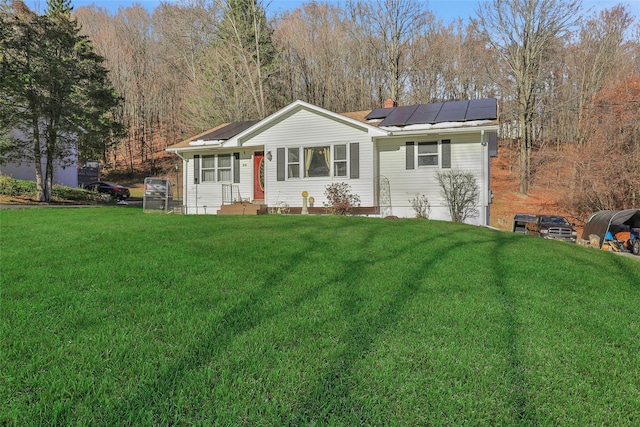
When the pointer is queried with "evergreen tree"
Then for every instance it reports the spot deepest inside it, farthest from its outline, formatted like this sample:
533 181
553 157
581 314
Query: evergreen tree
57 90
59 7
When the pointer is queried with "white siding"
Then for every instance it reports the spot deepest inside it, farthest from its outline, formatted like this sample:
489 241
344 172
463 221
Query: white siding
467 153
206 197
308 129
386 157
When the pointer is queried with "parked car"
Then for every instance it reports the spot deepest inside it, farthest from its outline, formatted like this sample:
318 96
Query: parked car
158 187
114 190
551 227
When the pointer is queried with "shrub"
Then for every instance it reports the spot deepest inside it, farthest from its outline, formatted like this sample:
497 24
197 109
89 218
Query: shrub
421 205
60 192
340 201
17 187
461 194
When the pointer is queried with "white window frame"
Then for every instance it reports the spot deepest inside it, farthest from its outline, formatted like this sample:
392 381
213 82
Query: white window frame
335 161
301 150
215 169
428 154
329 166
288 163
211 169
221 169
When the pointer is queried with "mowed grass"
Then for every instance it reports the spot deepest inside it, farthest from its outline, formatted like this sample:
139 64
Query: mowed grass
110 316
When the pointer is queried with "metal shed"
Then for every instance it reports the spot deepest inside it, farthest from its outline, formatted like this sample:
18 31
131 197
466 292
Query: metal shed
601 222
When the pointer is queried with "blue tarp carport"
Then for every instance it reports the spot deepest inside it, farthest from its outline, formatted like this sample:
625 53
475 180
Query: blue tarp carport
601 222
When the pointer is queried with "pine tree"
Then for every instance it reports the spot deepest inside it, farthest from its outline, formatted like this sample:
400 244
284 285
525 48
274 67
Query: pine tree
59 7
58 91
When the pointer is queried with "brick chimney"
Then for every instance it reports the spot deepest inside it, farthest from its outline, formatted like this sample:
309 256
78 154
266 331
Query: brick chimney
389 103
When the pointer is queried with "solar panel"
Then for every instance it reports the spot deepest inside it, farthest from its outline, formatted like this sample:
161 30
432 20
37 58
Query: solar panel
455 111
425 113
228 131
379 113
399 116
482 109
482 103
487 113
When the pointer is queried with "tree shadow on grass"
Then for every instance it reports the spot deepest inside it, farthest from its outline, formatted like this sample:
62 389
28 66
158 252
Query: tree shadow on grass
512 330
330 396
330 399
250 314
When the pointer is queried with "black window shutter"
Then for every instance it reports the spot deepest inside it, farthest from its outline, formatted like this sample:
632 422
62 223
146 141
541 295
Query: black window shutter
493 143
281 163
236 167
196 168
410 155
354 159
446 153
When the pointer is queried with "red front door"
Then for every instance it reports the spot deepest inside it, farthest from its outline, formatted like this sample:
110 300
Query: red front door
258 176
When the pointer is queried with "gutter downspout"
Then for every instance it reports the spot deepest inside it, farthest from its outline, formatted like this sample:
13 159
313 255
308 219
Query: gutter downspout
184 181
486 190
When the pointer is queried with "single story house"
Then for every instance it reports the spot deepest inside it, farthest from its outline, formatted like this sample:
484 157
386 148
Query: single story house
387 156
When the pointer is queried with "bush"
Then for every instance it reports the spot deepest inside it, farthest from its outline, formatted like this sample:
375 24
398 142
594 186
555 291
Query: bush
340 201
17 187
461 194
421 205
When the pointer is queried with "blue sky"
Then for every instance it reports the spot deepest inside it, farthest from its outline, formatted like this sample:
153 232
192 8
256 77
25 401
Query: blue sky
447 10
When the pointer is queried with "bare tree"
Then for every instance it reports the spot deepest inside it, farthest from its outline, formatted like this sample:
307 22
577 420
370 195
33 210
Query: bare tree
460 192
607 175
321 63
394 26
523 34
596 56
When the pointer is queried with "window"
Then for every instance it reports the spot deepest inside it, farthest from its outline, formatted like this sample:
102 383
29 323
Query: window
317 162
340 160
208 168
216 168
224 168
293 163
427 154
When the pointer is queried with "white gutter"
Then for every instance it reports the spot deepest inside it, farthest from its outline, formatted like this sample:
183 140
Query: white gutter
204 143
430 129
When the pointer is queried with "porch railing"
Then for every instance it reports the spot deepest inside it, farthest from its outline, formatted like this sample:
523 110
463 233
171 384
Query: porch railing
230 194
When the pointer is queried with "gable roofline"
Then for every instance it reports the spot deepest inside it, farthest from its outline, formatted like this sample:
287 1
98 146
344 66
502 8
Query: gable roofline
190 144
299 105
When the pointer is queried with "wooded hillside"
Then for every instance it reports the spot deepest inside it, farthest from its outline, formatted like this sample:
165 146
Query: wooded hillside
567 79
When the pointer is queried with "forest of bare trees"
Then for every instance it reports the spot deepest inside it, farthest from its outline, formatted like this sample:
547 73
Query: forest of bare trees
567 79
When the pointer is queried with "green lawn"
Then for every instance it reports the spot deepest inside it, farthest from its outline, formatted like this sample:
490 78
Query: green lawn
114 317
